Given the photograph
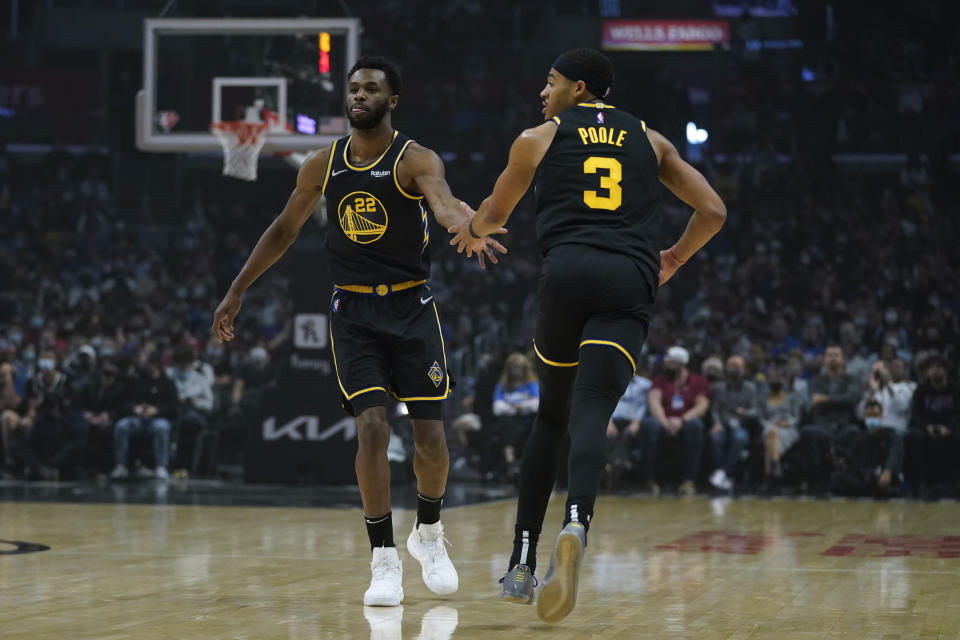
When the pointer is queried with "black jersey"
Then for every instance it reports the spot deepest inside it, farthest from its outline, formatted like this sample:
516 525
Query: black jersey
598 185
377 233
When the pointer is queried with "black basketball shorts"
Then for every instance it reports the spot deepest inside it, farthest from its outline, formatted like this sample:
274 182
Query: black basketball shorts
389 343
589 296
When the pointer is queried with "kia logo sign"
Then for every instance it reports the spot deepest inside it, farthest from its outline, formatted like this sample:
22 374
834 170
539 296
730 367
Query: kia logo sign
308 428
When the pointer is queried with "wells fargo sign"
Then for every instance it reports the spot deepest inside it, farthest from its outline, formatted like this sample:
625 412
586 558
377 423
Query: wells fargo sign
665 35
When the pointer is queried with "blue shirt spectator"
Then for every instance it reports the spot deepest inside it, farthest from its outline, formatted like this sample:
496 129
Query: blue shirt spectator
633 405
521 400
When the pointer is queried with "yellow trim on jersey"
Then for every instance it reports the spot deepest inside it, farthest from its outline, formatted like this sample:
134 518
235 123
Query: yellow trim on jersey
397 182
326 176
446 373
362 391
556 119
607 343
551 362
346 147
643 124
379 289
336 370
596 105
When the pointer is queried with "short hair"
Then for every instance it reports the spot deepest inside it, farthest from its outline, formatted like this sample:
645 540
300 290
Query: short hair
391 70
596 64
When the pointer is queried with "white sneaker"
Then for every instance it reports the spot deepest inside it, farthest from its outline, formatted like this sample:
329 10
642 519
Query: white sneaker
162 473
385 623
386 585
439 623
120 472
427 545
720 480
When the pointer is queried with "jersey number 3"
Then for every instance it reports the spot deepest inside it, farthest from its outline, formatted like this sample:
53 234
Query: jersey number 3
610 182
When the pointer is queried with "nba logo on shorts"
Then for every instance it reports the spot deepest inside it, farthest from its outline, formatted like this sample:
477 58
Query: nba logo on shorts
599 117
336 305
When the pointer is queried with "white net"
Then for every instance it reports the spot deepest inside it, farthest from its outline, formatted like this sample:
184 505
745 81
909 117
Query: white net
241 142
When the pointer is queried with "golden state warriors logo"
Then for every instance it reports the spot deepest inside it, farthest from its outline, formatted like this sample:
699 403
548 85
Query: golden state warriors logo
435 373
363 217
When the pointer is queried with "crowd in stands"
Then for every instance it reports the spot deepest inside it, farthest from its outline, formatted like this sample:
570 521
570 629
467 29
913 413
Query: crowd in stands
97 299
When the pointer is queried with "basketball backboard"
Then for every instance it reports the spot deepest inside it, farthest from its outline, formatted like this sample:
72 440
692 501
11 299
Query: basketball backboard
288 72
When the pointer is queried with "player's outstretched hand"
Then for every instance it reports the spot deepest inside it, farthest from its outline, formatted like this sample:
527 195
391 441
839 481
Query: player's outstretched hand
483 246
223 317
668 266
489 244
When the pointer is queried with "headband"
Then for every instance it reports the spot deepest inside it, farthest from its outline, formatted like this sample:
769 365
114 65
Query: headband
571 68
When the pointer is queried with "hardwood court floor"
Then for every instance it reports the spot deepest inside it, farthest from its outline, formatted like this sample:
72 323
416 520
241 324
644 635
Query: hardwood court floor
667 568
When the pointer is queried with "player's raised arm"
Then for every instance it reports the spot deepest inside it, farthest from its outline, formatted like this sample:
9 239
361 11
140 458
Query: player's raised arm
525 155
427 174
275 240
689 185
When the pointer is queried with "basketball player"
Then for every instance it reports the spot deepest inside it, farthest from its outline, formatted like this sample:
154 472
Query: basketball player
598 221
384 327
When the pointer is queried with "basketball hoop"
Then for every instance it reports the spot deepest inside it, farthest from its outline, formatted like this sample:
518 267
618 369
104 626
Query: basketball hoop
241 142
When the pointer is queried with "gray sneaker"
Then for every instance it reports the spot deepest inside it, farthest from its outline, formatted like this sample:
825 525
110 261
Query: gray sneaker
517 585
559 592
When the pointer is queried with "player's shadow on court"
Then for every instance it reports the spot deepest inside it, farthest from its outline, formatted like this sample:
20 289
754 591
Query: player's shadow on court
438 623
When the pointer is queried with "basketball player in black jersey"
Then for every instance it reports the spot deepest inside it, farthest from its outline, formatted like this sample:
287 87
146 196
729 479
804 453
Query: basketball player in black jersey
384 327
597 170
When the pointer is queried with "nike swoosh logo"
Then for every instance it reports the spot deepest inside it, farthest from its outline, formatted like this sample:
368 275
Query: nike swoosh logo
422 301
336 173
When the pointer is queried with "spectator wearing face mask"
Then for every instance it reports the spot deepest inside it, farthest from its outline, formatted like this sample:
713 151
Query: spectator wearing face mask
779 413
880 442
933 444
677 404
886 409
712 370
733 409
16 424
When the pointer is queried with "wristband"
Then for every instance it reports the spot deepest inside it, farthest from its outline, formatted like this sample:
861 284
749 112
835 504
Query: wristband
470 229
673 253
